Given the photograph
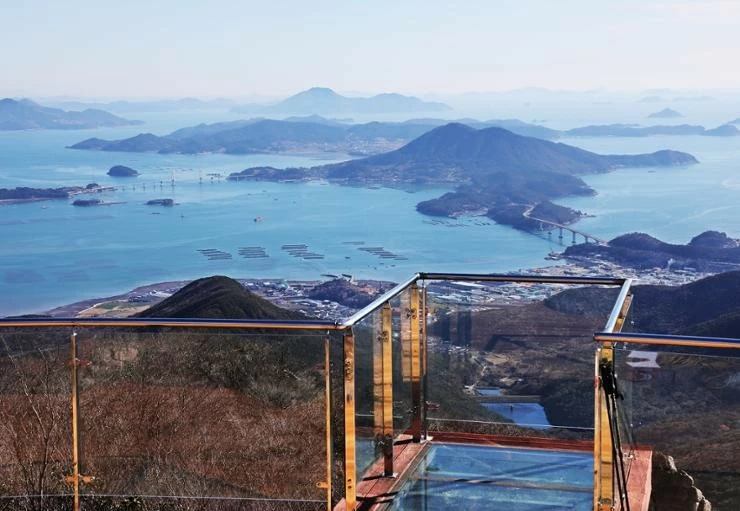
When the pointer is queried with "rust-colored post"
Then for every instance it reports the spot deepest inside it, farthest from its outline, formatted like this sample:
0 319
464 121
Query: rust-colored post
415 340
425 394
603 459
350 466
604 479
383 387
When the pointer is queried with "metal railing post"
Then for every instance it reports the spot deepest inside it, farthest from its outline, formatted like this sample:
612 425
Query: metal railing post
383 388
414 313
424 360
604 467
350 465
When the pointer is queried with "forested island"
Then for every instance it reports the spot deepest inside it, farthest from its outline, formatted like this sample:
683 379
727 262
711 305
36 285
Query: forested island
495 173
710 251
122 171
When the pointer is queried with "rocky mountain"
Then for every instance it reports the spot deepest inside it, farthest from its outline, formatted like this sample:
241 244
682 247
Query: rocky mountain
25 115
217 297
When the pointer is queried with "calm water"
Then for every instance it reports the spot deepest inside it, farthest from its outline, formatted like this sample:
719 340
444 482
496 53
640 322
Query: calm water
525 414
53 253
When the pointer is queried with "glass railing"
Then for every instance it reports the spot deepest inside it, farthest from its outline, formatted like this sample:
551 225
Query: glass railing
164 418
509 360
198 414
682 402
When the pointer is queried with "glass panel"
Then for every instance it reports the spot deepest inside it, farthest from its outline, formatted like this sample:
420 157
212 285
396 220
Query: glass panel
685 403
366 453
202 419
402 367
35 432
511 359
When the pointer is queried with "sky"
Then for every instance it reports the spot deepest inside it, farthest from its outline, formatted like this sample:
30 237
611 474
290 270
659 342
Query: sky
219 48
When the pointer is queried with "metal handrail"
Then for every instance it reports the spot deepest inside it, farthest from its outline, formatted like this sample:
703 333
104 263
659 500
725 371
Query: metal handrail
534 279
477 277
669 340
309 324
379 302
267 324
618 306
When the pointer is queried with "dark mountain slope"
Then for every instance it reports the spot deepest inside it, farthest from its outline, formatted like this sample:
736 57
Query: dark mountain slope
701 306
217 298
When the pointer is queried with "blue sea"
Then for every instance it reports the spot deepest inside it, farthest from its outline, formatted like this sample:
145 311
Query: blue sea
53 253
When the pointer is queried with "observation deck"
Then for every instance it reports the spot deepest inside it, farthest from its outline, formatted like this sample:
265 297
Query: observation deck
418 401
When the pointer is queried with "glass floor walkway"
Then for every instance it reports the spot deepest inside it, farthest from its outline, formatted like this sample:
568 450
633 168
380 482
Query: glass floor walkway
469 477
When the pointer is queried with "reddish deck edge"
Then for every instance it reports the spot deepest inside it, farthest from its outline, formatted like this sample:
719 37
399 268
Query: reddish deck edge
551 444
640 481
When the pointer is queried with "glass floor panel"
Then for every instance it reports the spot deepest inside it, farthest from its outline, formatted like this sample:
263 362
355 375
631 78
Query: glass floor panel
471 477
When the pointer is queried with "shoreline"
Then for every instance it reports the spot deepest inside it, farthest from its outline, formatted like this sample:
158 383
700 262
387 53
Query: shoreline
290 293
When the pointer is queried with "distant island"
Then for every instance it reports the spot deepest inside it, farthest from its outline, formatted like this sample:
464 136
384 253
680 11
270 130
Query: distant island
26 194
314 134
122 171
157 105
710 251
495 172
161 202
631 130
666 113
726 130
322 101
298 134
26 115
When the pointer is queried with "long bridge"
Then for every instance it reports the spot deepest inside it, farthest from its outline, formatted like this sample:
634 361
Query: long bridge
549 226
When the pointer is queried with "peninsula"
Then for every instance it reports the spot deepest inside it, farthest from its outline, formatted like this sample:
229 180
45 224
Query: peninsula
494 172
24 114
26 194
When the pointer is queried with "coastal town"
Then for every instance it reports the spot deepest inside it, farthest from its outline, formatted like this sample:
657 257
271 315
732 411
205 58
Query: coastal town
298 294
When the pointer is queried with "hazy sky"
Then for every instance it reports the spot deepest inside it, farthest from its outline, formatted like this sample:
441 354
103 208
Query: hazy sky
214 48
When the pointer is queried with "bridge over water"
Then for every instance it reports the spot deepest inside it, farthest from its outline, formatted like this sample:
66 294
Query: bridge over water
550 226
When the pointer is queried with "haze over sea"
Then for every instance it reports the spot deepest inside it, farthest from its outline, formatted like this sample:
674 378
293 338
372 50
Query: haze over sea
53 253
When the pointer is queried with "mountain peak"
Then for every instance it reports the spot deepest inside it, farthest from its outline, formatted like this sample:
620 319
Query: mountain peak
324 92
217 297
